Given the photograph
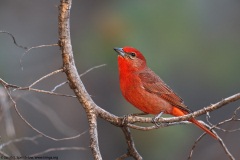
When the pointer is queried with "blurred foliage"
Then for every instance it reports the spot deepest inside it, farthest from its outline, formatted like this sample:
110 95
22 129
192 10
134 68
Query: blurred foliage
192 45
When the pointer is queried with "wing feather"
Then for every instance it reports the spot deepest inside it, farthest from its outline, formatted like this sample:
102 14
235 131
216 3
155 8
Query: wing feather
154 84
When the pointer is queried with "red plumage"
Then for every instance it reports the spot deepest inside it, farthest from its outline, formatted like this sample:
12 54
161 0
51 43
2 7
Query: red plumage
145 90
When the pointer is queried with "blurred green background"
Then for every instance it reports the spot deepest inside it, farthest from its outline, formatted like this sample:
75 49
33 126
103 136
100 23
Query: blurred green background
193 45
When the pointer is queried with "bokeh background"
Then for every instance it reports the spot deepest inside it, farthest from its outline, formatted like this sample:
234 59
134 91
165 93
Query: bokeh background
193 45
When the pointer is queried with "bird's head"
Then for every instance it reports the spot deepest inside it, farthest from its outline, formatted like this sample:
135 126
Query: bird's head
130 58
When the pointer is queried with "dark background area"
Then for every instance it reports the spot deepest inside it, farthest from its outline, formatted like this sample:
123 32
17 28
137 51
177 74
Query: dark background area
193 46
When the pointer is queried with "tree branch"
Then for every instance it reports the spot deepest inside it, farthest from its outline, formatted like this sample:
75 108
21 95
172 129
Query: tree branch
132 151
73 76
223 102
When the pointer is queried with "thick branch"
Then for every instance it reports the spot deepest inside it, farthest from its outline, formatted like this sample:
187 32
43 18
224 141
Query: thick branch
132 151
73 76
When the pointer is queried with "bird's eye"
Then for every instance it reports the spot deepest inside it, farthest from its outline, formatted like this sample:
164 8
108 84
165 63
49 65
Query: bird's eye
132 55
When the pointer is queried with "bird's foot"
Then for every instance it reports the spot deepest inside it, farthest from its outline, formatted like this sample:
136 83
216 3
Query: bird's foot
125 117
156 118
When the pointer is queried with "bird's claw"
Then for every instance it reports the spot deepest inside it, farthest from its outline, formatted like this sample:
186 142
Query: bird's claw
156 118
125 117
155 121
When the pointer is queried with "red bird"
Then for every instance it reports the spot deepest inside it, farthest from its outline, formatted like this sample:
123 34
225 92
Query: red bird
146 90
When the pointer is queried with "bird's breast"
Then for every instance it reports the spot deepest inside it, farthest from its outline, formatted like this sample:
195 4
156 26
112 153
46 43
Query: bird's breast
135 93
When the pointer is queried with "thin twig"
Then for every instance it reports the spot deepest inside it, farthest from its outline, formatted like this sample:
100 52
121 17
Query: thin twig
233 118
50 114
5 155
35 47
226 149
35 129
39 46
124 156
32 89
46 92
91 69
63 83
44 77
32 139
14 40
220 141
59 85
194 146
6 114
27 49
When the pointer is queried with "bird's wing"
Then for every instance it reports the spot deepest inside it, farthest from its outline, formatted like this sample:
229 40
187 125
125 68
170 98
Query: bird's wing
154 84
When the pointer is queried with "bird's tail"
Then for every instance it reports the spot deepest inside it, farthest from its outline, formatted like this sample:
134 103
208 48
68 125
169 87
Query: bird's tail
203 127
178 112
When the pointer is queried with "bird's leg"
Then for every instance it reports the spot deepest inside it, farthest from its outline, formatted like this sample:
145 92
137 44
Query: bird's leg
125 117
155 119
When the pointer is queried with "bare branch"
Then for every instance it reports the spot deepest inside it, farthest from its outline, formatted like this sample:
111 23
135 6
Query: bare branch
6 114
32 139
220 141
4 154
14 39
73 77
124 156
44 77
32 89
94 137
50 114
20 115
46 92
233 118
39 46
132 151
59 85
35 47
27 49
226 149
91 69
63 83
134 119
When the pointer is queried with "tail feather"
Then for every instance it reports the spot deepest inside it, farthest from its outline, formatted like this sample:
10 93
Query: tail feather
178 112
203 127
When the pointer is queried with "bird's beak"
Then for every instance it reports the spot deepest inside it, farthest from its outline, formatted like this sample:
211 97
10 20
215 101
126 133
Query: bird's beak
120 51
